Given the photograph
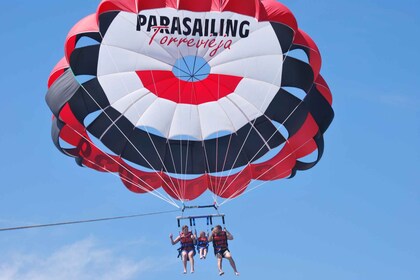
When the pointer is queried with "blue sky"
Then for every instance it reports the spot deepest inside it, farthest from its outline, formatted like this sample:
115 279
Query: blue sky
354 216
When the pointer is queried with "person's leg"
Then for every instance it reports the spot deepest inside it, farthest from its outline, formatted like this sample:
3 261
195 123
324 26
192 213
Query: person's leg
219 264
201 253
191 258
228 256
184 260
204 252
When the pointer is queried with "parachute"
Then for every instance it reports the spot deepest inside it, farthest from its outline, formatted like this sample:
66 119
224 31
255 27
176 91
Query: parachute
190 96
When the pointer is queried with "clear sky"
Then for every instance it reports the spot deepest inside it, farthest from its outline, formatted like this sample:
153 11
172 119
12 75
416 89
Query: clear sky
355 216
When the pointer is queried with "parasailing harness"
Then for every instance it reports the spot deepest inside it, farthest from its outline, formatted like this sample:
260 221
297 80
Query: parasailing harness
187 242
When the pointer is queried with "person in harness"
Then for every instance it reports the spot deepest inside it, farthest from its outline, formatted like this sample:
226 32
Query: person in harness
220 239
202 245
187 239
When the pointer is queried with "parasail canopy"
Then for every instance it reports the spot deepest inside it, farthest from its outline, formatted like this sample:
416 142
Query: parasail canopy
188 96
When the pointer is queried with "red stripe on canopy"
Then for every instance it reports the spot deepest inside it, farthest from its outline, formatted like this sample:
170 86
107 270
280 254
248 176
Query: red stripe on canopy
165 84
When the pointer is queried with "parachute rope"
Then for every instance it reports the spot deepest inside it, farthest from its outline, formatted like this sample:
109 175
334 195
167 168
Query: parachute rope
157 194
172 185
224 187
287 141
153 192
126 137
128 140
214 196
265 172
193 94
179 193
87 221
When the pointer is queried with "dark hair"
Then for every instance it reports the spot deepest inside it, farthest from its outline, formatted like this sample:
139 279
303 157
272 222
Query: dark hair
184 227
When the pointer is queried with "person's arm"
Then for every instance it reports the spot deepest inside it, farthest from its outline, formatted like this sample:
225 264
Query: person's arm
228 235
210 237
174 241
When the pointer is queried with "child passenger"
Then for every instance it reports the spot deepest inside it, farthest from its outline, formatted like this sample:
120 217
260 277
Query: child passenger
202 245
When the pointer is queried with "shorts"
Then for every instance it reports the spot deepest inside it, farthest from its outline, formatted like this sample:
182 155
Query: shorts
188 251
221 251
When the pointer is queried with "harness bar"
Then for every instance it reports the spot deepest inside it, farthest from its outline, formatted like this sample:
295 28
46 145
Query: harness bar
201 206
208 217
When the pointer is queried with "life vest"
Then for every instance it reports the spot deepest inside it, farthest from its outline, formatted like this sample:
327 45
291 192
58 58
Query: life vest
187 243
202 242
220 241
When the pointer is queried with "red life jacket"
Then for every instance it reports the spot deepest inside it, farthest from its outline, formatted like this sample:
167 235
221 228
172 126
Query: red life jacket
187 243
220 240
202 242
